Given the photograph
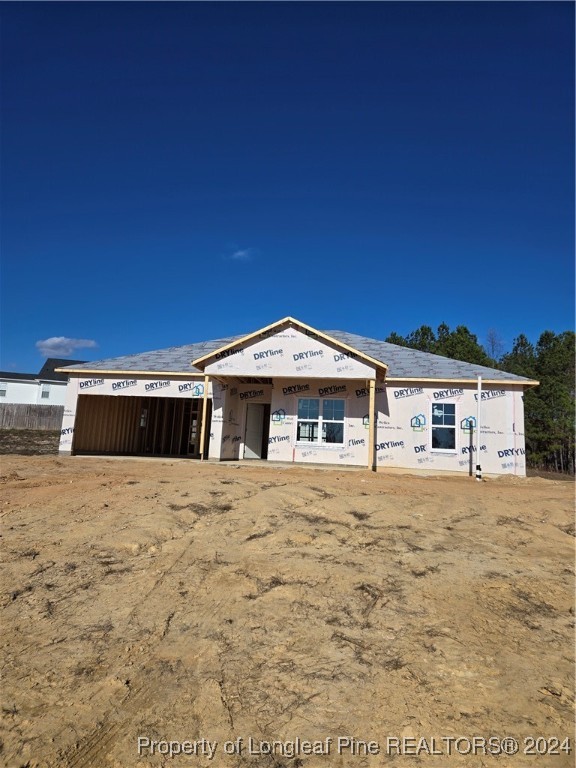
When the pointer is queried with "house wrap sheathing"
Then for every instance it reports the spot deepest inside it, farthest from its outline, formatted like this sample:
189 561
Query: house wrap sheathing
290 393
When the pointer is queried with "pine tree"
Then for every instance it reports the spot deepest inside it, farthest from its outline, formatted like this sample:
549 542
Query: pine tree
521 361
555 370
395 338
423 339
461 345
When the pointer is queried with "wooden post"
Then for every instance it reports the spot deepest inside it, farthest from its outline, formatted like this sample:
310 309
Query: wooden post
203 425
371 424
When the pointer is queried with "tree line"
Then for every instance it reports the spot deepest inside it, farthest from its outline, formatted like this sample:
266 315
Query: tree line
549 408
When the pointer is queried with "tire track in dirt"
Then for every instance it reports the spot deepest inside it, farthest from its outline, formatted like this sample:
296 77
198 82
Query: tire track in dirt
146 683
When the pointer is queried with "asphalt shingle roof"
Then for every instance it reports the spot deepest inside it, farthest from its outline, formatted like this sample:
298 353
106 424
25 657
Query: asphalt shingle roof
402 362
47 372
169 360
5 375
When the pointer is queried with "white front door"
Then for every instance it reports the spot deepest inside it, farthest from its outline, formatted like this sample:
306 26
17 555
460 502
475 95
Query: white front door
254 431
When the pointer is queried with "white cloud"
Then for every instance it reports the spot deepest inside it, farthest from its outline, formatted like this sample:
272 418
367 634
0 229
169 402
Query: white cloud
242 254
62 346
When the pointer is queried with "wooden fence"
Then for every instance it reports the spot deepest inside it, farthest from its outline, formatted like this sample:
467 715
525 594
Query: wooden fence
22 416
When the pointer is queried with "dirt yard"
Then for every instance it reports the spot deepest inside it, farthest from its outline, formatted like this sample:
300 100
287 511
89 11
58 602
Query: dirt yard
196 607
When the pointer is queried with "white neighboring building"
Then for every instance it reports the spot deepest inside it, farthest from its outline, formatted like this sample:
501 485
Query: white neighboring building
43 388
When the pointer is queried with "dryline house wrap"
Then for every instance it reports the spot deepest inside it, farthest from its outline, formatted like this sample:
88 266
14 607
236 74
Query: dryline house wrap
291 393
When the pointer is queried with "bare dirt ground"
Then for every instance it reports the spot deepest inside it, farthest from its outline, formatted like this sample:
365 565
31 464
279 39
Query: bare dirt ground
178 601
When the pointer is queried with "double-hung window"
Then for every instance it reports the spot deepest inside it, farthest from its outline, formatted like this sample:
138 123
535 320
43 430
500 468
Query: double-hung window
443 427
45 394
320 421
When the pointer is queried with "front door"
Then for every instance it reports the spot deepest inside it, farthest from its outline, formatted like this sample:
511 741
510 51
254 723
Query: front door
254 431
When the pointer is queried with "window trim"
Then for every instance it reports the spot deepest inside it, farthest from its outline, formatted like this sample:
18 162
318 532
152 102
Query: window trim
320 443
451 451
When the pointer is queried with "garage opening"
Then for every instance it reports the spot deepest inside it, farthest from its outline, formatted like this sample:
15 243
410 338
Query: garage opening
140 426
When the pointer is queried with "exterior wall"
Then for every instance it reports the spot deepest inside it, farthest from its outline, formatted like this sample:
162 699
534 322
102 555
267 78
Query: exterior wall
229 416
282 441
403 428
57 393
30 392
218 402
404 438
67 430
147 386
142 386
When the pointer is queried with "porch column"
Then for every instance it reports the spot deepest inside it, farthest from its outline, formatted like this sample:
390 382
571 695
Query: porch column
371 424
204 412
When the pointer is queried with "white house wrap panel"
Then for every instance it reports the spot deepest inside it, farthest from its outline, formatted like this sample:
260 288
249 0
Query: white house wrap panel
404 423
289 353
283 444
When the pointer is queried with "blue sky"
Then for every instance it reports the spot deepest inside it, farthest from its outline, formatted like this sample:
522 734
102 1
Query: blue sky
174 172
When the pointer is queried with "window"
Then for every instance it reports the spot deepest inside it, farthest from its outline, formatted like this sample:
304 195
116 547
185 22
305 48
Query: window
308 420
320 421
45 391
3 386
333 421
443 427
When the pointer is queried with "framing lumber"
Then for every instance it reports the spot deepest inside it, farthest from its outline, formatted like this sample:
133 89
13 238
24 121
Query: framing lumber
371 423
204 413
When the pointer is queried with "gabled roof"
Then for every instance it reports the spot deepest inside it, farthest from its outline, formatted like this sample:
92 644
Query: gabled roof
48 370
404 364
290 322
46 373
